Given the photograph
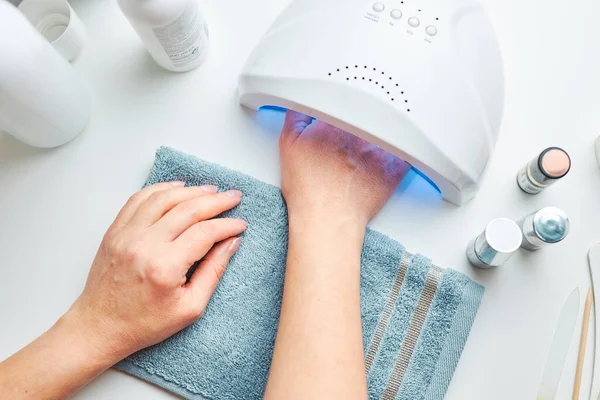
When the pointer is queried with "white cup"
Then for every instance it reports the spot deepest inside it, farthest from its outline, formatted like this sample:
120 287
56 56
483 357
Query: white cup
58 23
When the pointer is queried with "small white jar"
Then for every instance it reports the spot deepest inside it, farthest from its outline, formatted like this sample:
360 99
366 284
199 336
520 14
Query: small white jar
174 31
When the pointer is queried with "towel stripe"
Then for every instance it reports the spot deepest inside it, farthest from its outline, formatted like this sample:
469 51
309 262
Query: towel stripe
414 331
387 311
455 341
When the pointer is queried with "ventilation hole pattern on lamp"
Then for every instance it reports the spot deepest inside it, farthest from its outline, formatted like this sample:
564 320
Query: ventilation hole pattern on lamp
372 75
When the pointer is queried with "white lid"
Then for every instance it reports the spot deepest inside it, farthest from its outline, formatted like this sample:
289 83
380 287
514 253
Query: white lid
503 235
58 23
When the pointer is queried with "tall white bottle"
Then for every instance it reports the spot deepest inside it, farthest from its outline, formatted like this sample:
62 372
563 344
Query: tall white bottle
173 31
43 102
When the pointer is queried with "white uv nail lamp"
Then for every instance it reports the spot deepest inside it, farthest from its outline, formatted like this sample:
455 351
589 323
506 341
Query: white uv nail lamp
423 79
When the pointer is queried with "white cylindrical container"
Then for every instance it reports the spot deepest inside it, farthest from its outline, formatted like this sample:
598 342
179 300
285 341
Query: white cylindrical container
174 31
43 102
496 245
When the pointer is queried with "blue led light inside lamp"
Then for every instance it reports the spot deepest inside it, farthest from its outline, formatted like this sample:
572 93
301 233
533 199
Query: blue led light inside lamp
272 108
421 174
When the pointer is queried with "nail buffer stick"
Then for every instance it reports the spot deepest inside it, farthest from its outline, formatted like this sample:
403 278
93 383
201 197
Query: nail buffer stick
594 260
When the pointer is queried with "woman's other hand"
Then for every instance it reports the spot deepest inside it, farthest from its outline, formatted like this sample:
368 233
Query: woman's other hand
137 292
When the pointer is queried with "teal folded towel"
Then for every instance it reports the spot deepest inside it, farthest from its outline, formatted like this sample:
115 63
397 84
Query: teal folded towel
416 317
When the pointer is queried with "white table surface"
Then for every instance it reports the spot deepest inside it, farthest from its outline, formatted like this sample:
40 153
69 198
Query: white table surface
55 205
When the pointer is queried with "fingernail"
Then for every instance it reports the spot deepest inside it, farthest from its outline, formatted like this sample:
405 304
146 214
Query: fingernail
243 222
178 183
231 247
209 188
234 246
236 194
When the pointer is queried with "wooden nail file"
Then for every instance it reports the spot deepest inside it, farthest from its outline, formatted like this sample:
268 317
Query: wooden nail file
594 260
583 344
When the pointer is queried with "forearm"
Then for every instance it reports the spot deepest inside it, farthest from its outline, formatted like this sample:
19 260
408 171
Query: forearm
54 366
319 347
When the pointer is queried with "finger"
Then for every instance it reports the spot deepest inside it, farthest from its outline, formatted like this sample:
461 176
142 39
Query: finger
205 279
295 123
134 201
194 243
159 203
394 168
401 167
190 212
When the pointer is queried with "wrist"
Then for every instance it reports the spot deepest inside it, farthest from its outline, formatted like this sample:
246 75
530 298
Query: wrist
342 230
323 243
86 340
329 216
344 227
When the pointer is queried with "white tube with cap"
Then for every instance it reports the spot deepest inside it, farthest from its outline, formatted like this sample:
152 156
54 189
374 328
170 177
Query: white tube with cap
174 31
43 102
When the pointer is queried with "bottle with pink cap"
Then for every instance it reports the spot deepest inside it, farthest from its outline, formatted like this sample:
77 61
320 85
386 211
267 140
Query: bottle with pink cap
546 169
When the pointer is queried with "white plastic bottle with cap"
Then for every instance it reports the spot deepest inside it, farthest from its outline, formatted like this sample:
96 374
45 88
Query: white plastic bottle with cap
174 31
43 102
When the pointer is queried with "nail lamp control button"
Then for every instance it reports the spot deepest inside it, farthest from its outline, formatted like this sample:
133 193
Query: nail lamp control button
396 14
431 30
378 7
414 22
